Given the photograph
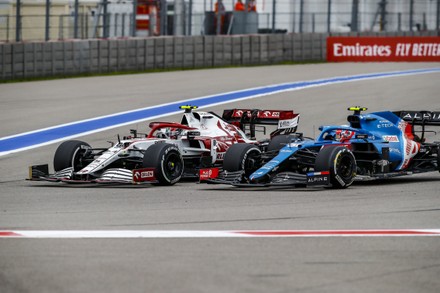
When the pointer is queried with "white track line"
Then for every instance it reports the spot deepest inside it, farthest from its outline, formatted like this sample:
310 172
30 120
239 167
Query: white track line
130 234
200 101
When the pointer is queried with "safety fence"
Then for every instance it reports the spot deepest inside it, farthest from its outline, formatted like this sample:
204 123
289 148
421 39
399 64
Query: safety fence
65 58
27 20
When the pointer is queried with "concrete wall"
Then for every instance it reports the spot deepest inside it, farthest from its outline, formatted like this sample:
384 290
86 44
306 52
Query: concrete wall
40 59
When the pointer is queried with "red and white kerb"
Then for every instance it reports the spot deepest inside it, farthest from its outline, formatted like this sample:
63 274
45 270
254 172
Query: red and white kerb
215 234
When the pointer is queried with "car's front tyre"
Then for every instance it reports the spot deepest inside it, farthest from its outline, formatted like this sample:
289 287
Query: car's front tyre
167 161
70 154
242 156
341 163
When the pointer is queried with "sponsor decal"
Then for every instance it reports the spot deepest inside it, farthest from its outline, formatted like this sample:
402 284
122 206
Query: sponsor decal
143 175
394 150
433 116
385 125
361 136
367 49
390 138
318 178
209 173
147 174
271 114
282 124
238 113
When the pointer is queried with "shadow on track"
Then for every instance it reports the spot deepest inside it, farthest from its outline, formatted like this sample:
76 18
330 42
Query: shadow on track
374 182
398 180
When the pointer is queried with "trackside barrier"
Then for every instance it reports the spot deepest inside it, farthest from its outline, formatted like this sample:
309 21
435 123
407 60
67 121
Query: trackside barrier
38 59
64 58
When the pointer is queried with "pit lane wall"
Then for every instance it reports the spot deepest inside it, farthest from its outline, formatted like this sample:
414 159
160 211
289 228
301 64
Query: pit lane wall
65 58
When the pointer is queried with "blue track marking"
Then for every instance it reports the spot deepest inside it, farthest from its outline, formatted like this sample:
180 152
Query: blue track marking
33 139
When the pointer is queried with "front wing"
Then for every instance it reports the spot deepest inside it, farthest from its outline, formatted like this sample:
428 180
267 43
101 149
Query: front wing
110 176
288 179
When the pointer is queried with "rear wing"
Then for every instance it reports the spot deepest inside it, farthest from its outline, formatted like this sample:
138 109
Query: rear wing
420 117
285 120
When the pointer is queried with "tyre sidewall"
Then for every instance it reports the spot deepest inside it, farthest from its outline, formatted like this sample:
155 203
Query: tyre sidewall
167 152
157 157
330 159
337 157
246 155
237 155
67 153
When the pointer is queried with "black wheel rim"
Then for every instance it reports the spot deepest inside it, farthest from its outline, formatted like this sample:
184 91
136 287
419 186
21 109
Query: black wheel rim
251 162
173 166
345 168
77 162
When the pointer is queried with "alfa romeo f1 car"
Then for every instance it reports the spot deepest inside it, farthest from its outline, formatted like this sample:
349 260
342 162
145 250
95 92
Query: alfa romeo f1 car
168 152
376 145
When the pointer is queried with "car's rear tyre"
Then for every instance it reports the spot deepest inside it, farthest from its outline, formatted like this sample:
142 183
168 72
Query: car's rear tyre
341 163
167 161
278 142
70 154
242 156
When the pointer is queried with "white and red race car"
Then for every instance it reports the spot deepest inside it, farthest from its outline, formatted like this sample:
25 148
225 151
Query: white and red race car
169 152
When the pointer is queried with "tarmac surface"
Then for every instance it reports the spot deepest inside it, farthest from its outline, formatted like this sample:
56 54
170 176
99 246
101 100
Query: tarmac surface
255 264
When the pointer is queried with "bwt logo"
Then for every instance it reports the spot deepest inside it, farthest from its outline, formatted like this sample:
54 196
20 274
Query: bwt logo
147 174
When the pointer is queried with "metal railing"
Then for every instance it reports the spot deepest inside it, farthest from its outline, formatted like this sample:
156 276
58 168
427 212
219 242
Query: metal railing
23 21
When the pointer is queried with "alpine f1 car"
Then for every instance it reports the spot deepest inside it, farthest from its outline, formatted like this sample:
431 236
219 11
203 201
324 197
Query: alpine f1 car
376 145
169 152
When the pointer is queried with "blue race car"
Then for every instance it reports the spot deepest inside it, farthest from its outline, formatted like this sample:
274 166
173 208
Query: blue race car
375 145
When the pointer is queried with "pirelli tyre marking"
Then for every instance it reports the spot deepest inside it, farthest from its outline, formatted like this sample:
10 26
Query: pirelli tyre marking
337 165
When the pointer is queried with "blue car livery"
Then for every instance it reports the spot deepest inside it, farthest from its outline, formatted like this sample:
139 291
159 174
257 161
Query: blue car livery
374 145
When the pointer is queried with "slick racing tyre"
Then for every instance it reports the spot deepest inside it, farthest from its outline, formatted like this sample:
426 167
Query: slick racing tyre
167 161
278 142
242 156
341 163
70 154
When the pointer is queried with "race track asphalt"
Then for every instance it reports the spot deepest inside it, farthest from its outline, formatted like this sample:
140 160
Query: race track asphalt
305 264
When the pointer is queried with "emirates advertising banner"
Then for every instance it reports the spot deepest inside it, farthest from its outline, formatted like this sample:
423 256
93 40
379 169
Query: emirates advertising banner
383 49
